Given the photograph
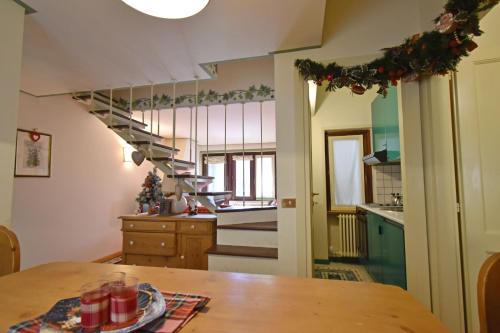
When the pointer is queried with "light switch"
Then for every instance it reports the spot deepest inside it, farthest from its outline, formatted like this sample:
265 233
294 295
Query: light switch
288 203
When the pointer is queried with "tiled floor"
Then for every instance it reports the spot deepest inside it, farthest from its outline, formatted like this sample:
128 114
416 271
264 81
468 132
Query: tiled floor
358 270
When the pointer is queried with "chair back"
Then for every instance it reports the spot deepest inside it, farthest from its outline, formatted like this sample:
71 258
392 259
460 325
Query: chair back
10 253
488 292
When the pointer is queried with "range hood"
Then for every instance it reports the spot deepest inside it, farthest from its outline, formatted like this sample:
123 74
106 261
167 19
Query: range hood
377 157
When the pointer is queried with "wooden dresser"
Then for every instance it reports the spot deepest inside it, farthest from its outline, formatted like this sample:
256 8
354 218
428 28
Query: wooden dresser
178 241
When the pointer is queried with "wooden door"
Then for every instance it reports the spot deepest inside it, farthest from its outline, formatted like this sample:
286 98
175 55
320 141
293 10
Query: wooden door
478 120
193 248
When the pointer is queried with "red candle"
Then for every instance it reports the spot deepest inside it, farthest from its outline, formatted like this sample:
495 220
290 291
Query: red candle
94 305
124 300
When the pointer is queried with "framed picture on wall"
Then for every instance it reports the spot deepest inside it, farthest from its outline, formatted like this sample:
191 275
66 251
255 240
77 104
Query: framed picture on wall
33 154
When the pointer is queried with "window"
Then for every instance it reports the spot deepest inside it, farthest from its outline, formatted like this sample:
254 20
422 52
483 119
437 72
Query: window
252 177
264 177
348 179
215 167
242 179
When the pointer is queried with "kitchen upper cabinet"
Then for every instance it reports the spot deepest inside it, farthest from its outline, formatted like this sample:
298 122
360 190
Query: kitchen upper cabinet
386 251
385 124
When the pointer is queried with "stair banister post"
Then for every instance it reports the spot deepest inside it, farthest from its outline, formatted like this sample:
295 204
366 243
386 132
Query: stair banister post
130 113
92 102
207 140
261 161
110 122
151 125
174 122
196 142
226 164
190 134
243 148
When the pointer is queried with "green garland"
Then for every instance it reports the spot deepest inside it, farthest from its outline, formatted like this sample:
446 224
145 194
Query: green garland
164 101
432 53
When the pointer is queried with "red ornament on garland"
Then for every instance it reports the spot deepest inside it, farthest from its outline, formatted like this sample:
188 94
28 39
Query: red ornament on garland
446 24
453 43
358 89
329 77
471 45
34 135
394 82
381 70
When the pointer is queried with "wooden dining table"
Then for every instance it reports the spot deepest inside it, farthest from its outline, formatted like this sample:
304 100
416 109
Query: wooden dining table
239 302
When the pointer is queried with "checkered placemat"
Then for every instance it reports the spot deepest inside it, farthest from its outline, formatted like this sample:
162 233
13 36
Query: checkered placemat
181 308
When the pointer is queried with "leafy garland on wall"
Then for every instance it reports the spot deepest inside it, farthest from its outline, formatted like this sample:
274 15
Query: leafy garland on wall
253 93
434 52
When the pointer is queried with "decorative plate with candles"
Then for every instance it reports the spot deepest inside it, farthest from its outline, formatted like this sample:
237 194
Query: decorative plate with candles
65 314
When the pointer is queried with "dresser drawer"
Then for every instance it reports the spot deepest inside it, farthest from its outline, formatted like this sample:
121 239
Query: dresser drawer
148 226
149 243
195 227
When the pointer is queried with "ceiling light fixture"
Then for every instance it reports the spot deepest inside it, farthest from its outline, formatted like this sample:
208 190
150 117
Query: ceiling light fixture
169 9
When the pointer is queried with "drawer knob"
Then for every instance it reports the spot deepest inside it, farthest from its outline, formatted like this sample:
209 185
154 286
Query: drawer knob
182 257
163 226
163 244
192 226
131 242
132 225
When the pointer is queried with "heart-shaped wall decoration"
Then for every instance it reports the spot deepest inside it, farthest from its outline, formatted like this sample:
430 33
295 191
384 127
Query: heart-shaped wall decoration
34 136
138 157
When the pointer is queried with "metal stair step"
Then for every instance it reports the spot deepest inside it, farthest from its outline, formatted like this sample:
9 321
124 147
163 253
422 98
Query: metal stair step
122 117
192 177
136 129
178 163
103 100
211 194
157 148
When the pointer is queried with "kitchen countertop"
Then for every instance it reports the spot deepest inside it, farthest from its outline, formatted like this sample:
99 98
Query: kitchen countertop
388 214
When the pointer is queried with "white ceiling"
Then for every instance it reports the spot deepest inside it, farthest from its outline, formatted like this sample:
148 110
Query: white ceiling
80 45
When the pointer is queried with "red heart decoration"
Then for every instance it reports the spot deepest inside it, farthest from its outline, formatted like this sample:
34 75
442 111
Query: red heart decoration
34 136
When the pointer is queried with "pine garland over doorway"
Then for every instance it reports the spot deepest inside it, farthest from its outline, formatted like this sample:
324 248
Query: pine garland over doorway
434 52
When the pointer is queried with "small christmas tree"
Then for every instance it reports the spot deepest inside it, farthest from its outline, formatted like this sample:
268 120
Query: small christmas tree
151 193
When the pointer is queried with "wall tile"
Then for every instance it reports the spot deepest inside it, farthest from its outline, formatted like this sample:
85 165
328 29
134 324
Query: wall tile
388 179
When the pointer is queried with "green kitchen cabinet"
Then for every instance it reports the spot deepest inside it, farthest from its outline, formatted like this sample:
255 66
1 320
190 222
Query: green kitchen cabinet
385 124
374 264
386 251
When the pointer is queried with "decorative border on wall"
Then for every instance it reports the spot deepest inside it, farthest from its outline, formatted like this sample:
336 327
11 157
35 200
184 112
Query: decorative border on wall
211 97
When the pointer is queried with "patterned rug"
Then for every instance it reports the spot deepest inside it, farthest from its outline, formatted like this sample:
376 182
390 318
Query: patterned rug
337 274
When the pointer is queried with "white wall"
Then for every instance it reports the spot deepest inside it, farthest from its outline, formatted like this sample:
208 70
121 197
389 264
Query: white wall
336 111
11 41
352 28
73 214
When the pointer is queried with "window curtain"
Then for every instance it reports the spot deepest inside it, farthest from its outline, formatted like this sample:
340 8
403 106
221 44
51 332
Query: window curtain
347 173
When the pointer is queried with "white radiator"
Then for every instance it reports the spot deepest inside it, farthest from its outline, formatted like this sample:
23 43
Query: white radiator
352 236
